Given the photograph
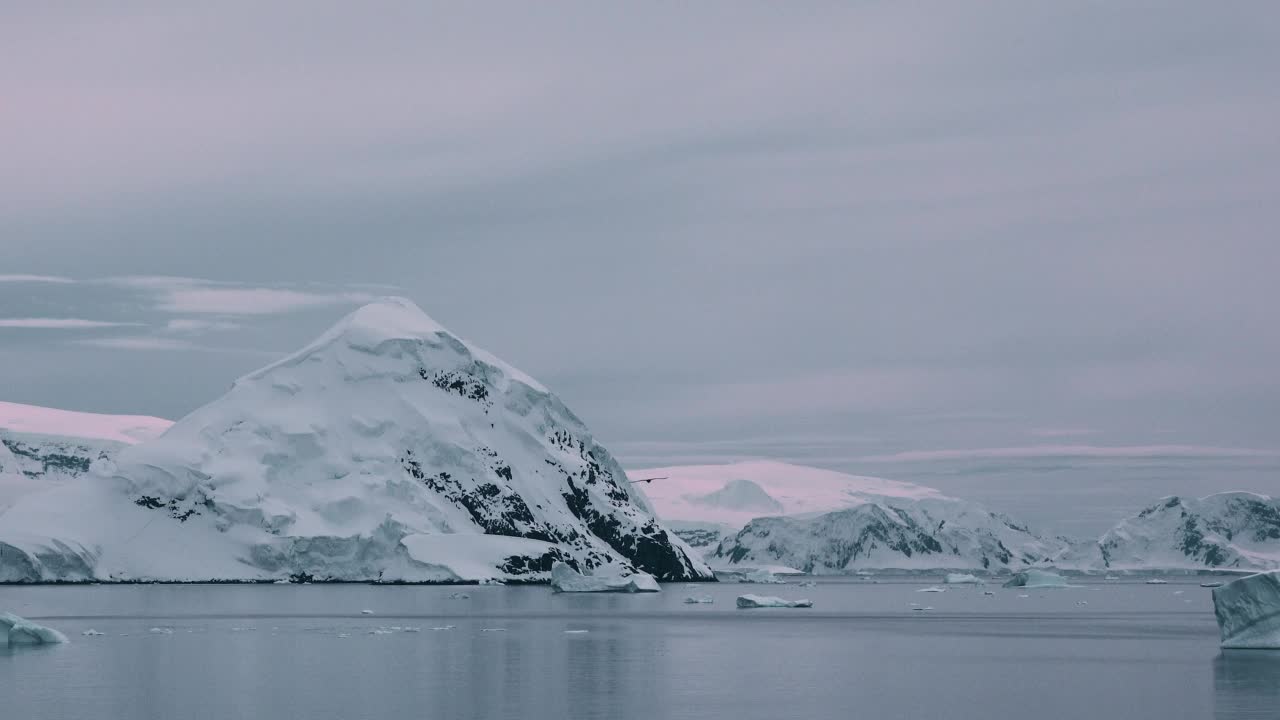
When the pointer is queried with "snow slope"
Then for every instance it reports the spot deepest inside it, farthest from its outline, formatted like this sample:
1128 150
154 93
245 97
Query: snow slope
331 462
1237 530
40 447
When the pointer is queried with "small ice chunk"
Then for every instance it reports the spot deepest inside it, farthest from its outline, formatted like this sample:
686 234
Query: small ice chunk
493 629
20 631
933 589
923 609
1178 592
92 633
699 600
1036 579
961 579
381 631
161 631
344 635
576 632
768 601
459 596
1024 596
445 627
565 579
1248 611
988 592
1111 577
366 611
1212 584
807 584
1157 581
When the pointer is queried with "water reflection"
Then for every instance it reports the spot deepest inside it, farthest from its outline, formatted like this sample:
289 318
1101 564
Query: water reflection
1246 684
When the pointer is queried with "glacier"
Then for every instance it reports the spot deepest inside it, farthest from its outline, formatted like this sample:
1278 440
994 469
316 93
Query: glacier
1248 611
388 449
1228 530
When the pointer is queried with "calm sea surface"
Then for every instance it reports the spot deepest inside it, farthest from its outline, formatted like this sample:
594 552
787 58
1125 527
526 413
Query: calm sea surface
1106 650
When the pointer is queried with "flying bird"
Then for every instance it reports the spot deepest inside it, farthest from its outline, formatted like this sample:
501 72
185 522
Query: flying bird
647 480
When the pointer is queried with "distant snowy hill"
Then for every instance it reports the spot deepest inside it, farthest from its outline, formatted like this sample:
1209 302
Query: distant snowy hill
1230 530
770 513
387 449
40 447
888 533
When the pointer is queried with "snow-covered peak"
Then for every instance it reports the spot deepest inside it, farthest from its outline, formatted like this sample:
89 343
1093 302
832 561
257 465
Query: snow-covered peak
388 448
35 420
717 493
385 326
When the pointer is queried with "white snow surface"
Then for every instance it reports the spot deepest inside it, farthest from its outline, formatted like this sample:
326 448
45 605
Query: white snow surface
385 428
565 579
1248 611
123 429
20 631
769 601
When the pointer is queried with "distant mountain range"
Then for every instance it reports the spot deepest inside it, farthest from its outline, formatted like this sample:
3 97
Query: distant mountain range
389 449
828 522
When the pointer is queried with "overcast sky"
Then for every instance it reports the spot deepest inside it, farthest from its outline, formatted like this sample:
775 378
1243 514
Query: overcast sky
1012 249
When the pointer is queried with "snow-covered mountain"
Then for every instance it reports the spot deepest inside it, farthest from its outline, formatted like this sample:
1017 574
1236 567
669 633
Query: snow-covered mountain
888 533
764 513
40 447
387 449
703 503
1236 530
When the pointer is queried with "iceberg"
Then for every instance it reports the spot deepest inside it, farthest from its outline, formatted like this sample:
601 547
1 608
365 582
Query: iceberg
20 631
961 579
762 577
1248 611
567 580
1036 579
768 601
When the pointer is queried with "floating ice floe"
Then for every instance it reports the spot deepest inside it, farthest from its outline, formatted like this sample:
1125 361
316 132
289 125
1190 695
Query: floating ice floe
923 609
988 592
161 631
932 589
1157 581
1178 592
576 632
961 579
807 584
1111 577
1213 584
459 596
1036 579
493 629
444 627
699 600
767 601
92 633
366 612
607 579
20 631
1248 611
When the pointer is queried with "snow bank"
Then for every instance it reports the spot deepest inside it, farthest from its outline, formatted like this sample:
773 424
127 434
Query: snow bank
961 579
609 579
124 429
19 631
1036 579
768 601
1248 611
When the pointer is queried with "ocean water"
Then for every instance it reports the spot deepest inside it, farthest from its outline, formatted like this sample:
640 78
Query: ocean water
1104 650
